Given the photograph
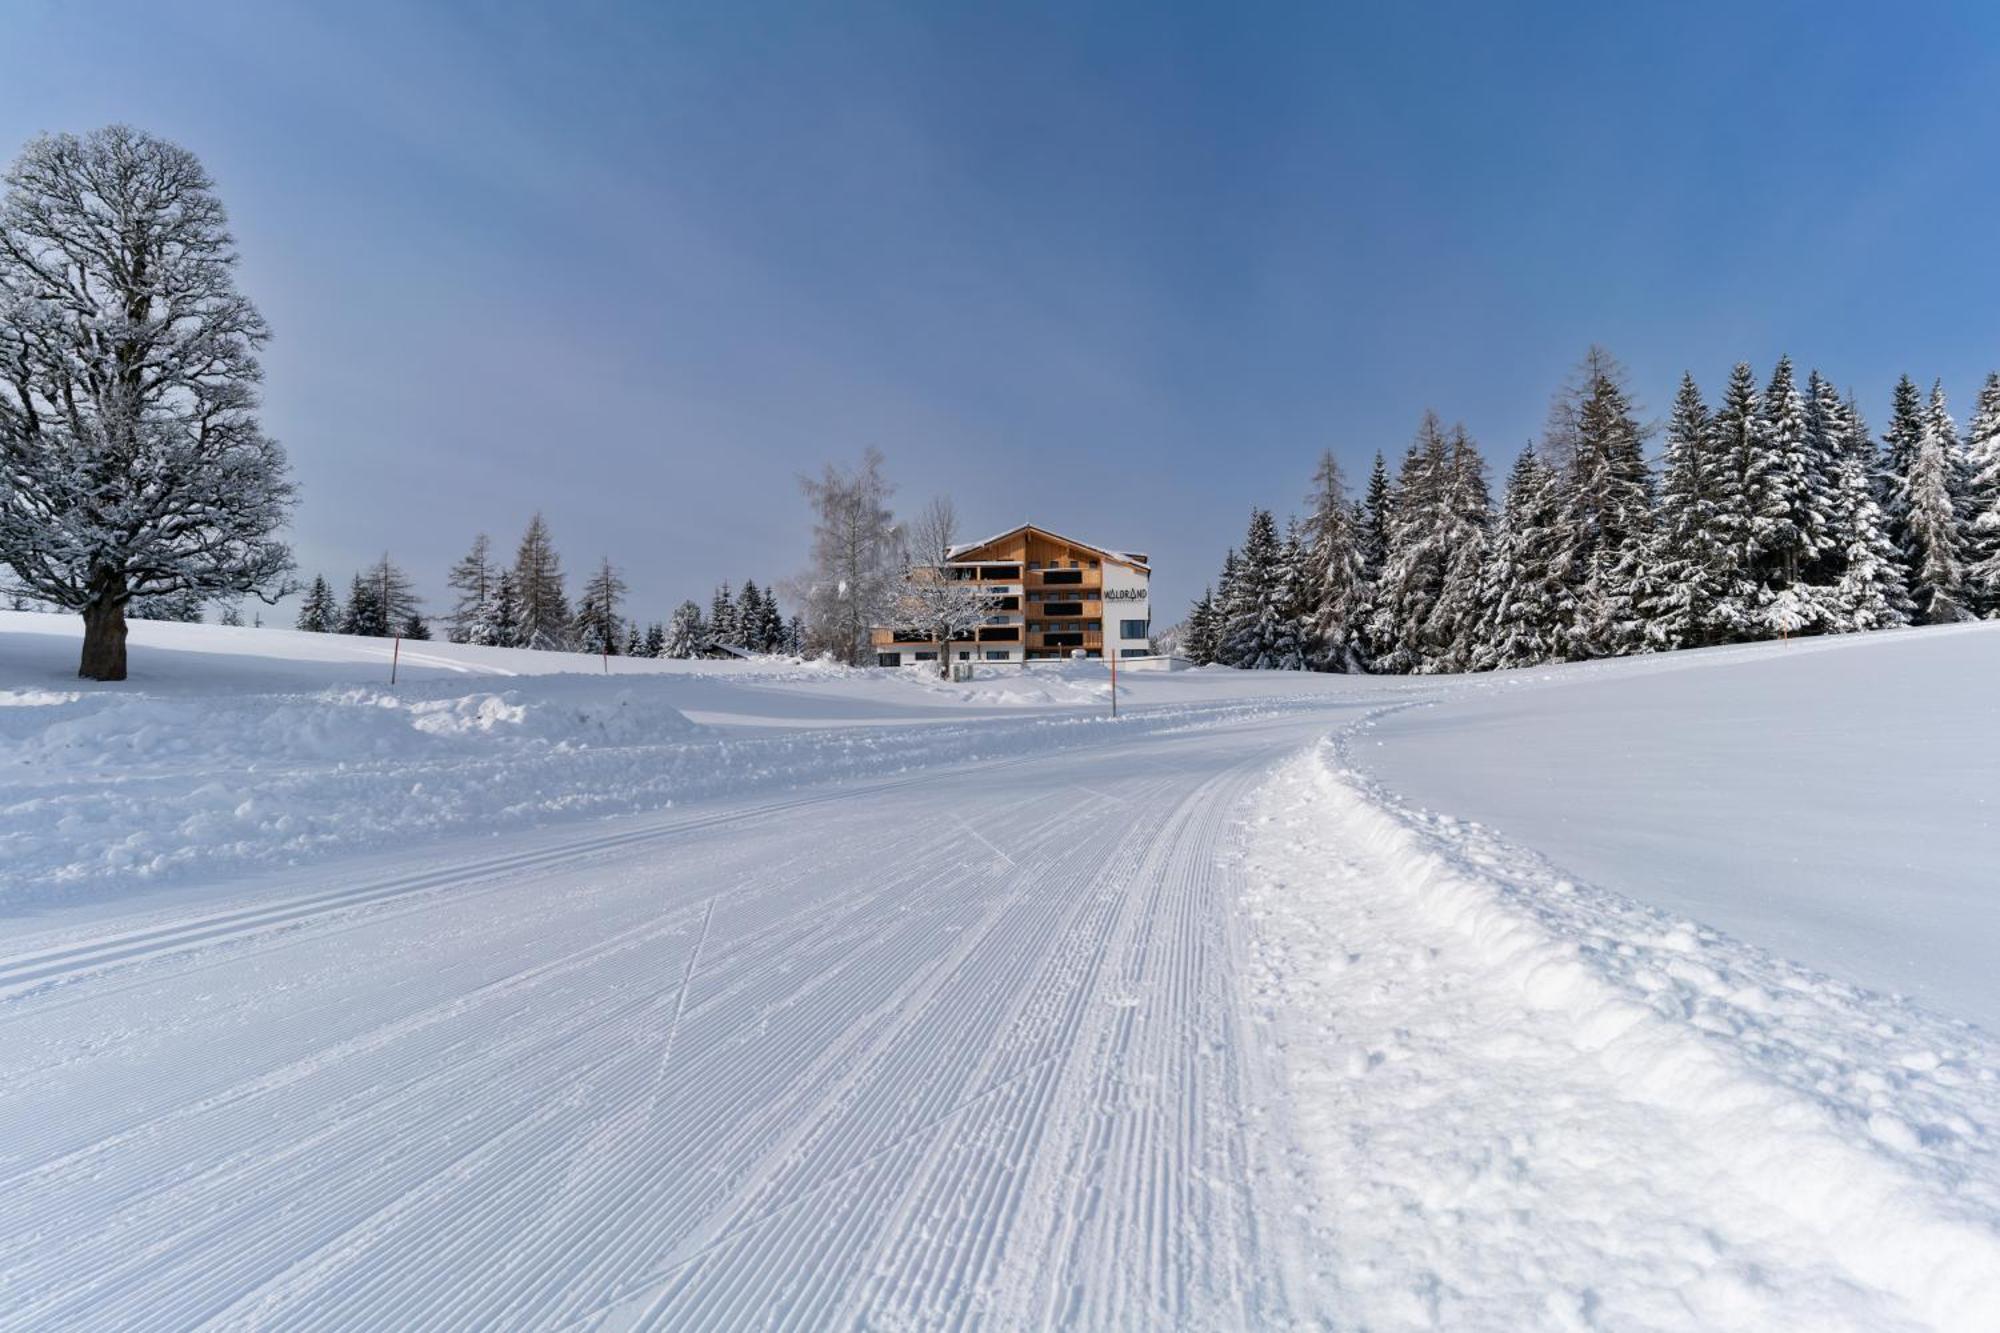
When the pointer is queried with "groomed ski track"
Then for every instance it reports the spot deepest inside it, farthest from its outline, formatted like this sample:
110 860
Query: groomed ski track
956 1049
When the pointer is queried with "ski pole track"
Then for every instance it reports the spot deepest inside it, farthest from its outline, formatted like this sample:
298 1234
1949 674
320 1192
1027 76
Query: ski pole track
812 1070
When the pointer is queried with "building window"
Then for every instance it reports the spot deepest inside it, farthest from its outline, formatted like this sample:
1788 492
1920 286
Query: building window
923 657
1135 652
889 659
1062 576
1133 629
996 655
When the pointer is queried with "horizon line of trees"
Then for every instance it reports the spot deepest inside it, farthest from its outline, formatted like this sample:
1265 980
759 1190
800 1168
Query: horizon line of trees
1772 514
524 604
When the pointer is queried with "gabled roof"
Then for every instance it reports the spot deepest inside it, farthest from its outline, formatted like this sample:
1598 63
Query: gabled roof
1122 557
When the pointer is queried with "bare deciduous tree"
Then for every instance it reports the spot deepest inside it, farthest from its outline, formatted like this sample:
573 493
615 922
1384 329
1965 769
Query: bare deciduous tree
856 558
933 602
132 464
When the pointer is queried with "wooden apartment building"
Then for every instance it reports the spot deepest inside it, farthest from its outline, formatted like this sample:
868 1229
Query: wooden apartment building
1053 597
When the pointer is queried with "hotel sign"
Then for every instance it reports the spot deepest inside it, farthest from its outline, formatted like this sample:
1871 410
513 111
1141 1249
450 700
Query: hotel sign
1124 594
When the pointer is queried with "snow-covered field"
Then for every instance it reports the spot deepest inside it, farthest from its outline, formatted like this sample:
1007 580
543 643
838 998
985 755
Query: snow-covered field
527 994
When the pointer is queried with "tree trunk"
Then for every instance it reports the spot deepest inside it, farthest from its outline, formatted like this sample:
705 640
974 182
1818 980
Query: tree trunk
104 639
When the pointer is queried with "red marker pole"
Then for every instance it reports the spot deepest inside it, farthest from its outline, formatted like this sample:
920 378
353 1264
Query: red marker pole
395 656
1114 682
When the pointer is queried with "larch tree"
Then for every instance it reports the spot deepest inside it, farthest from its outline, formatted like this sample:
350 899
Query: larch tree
856 558
538 583
394 593
597 624
132 462
472 579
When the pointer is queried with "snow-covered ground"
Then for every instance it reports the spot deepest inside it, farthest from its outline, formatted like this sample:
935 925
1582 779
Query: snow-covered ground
771 994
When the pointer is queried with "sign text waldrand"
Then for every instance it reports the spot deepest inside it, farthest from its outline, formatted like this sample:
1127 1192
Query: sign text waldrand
1124 594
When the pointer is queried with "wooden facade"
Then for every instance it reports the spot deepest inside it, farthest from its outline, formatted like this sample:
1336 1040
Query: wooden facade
1049 599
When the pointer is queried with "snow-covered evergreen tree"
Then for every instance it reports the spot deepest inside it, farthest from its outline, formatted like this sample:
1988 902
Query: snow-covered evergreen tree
656 641
1255 619
597 626
1526 603
1788 499
538 583
1900 443
1333 578
635 641
1465 513
183 607
1200 636
723 625
795 636
364 613
506 610
414 626
1416 556
1933 546
1595 432
132 463
685 632
319 612
1695 592
750 618
1982 500
1870 592
472 578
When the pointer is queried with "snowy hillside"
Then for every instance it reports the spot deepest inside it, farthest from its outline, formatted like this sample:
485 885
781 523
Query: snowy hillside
531 993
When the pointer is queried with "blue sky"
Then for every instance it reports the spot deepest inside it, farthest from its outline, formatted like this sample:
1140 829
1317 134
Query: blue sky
639 266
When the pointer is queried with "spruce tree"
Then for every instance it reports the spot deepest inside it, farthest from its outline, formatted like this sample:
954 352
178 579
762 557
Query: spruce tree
1525 604
506 616
635 643
1199 642
795 635
472 579
1225 596
1610 491
1982 500
1899 451
723 625
1694 591
1415 558
364 613
685 634
1464 516
414 626
1255 630
1333 577
1933 547
1870 593
544 617
656 640
1739 425
750 618
319 613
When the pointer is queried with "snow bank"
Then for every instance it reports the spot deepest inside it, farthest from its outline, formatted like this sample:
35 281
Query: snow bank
1535 1103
